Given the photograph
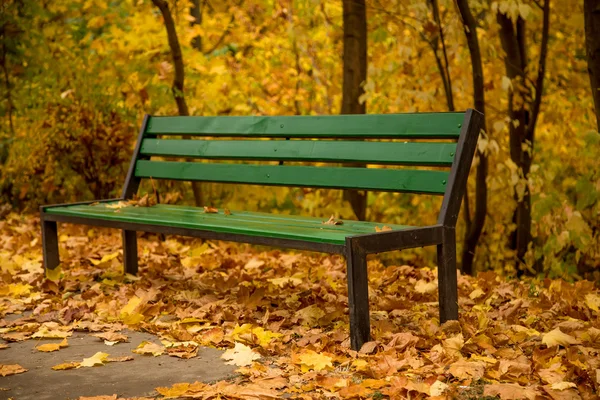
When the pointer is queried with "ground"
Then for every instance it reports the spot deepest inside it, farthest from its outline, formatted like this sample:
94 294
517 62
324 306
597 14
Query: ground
217 320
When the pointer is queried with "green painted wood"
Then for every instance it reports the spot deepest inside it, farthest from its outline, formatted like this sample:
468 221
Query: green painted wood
241 222
438 154
419 125
397 180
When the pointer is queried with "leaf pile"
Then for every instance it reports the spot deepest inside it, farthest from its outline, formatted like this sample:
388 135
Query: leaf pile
282 318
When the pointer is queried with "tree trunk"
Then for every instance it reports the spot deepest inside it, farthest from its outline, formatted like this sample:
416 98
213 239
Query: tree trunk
524 104
591 11
178 80
355 74
474 225
196 13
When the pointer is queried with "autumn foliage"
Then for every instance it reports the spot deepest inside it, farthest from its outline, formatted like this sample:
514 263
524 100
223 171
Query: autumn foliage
282 316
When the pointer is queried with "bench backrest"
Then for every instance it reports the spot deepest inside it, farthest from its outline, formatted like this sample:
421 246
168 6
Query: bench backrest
444 141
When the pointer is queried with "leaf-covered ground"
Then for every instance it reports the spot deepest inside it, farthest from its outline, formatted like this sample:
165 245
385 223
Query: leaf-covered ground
282 316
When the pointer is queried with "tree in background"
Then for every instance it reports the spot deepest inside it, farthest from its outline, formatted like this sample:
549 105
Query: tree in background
524 101
475 223
591 10
355 75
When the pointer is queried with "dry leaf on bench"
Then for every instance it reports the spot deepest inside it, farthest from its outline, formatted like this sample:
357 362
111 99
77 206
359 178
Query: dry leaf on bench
210 210
333 221
383 228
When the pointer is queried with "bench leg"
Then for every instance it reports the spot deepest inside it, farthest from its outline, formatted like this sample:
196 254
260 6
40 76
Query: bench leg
50 244
447 279
358 295
130 256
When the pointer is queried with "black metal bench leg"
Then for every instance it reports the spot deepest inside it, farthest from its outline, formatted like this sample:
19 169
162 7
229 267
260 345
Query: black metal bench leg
358 295
50 244
447 276
130 256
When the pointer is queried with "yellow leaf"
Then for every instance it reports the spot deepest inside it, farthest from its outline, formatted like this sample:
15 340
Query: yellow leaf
11 369
177 390
46 333
52 346
438 388
592 301
131 305
476 293
423 287
19 289
557 337
310 360
241 355
563 385
53 274
63 366
149 348
97 359
105 258
463 369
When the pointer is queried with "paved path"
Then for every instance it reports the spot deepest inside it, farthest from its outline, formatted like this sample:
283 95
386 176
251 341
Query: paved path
126 379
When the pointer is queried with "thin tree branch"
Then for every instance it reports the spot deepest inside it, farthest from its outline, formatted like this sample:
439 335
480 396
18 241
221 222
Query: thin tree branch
539 84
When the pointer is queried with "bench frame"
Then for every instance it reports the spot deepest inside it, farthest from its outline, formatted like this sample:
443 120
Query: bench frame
355 249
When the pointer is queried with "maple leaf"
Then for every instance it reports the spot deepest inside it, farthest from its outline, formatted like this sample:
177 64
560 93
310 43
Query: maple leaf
210 210
509 391
557 338
311 360
11 369
438 388
97 359
63 366
463 369
46 333
184 351
119 359
52 346
592 301
423 287
111 338
383 228
148 348
241 355
177 390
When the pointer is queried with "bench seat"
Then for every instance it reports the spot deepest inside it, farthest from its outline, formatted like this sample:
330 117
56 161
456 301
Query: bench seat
238 222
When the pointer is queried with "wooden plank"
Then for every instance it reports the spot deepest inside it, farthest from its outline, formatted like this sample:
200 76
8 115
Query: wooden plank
397 180
438 154
219 224
429 125
195 214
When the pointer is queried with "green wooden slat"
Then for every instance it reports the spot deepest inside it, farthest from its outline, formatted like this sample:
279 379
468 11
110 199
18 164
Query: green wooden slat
255 224
184 213
399 180
306 150
428 125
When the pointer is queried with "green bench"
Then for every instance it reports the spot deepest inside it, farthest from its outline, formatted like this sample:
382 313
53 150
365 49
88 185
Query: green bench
442 142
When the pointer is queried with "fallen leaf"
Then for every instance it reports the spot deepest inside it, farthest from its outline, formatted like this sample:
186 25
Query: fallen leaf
423 287
438 388
11 369
332 221
241 355
310 360
185 352
210 210
52 346
149 348
68 365
3 346
383 228
463 369
562 385
97 359
557 337
226 211
46 333
510 391
592 301
113 397
112 338
119 359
